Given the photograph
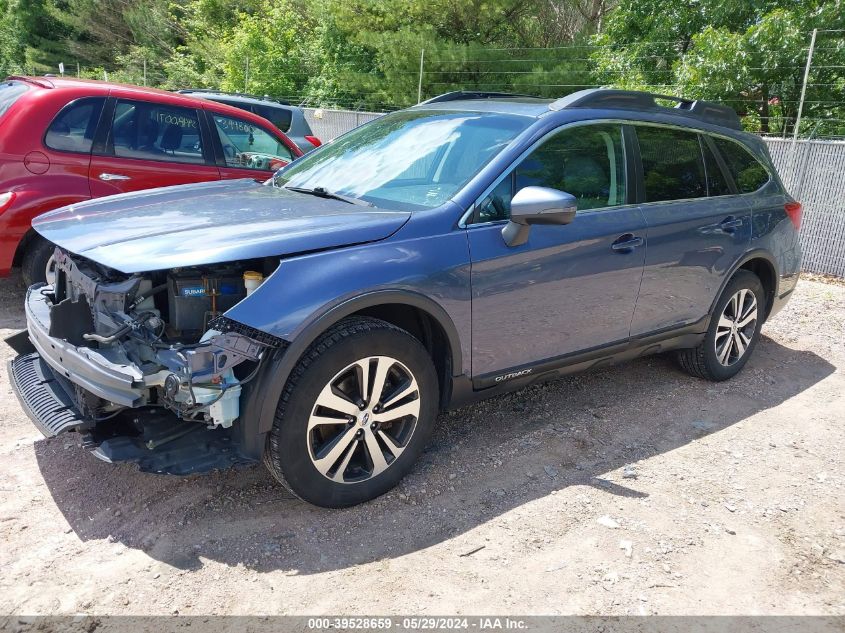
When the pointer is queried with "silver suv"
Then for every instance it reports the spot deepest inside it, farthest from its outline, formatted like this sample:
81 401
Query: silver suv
289 119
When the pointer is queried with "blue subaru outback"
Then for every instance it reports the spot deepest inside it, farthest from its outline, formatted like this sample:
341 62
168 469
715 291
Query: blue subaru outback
464 247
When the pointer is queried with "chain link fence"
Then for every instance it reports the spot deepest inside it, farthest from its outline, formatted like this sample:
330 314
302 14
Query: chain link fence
812 171
328 124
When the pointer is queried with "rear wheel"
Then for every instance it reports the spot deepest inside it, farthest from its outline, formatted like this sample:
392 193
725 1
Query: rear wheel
38 265
733 333
355 414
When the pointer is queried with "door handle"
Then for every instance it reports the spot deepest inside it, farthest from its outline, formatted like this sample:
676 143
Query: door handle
627 243
108 177
730 224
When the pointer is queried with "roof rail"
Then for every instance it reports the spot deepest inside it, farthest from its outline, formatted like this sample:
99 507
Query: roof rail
460 95
38 81
613 99
231 94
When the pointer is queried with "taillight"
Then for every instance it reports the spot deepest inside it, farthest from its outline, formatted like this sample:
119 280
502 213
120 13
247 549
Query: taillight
793 210
6 200
314 141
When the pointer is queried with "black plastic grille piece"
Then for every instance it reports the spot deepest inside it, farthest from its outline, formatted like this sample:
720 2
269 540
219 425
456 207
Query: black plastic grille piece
42 397
225 324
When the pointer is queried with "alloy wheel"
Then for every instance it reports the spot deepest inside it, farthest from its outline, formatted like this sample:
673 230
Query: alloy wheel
363 419
736 327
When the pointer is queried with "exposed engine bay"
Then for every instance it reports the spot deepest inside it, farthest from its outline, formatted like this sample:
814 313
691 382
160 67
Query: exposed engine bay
164 329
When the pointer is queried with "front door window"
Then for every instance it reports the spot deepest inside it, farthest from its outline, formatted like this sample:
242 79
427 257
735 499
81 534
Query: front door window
586 161
247 146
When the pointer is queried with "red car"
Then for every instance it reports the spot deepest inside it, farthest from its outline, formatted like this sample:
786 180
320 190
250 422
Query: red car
67 140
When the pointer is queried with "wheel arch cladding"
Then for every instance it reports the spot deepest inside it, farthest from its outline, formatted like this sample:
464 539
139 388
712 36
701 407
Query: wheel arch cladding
765 271
762 264
416 314
421 285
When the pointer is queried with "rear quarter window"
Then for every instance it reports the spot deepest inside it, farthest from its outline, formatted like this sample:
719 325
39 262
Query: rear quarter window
74 127
748 173
10 92
280 117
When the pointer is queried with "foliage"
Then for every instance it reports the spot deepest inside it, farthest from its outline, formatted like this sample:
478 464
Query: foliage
750 54
12 48
366 53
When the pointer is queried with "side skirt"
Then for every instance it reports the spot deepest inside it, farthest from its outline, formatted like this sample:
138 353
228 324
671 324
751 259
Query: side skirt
466 391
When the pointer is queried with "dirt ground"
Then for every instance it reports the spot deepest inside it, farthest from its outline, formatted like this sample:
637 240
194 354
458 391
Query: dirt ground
631 490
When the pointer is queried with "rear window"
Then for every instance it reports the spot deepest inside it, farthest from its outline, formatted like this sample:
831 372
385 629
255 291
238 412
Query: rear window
155 131
280 117
748 173
673 168
10 91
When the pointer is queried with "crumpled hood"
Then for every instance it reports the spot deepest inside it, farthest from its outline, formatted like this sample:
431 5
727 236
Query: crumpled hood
209 223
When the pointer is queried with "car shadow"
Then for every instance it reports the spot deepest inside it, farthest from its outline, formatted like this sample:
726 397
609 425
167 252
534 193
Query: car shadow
484 461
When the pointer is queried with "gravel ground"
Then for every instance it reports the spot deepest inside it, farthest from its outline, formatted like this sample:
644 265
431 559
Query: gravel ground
630 490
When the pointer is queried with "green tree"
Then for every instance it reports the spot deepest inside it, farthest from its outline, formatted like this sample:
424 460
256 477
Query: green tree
12 46
750 55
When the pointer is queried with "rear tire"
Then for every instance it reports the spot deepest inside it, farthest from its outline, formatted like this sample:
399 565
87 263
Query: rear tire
36 266
356 412
733 333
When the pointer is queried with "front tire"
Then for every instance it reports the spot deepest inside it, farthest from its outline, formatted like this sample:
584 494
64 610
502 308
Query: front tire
355 414
733 333
38 265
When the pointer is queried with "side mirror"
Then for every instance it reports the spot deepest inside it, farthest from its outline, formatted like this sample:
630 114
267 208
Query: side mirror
537 205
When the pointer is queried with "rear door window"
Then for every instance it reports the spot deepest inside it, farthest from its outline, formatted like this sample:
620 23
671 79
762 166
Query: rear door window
153 131
248 146
748 173
74 127
10 91
673 167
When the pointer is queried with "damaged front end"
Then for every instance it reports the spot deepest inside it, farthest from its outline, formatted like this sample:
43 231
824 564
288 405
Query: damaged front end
144 366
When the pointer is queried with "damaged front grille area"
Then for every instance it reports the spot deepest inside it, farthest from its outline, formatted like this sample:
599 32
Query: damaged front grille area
151 340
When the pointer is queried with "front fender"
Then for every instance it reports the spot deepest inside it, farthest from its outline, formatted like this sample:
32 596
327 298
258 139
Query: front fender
308 294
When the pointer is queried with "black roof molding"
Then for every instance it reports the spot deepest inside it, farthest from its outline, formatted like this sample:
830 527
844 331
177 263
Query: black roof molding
461 95
612 99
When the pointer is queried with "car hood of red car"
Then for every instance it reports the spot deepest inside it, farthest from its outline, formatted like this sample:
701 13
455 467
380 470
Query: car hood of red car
208 223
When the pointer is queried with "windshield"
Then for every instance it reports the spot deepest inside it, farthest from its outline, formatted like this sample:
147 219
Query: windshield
408 160
10 91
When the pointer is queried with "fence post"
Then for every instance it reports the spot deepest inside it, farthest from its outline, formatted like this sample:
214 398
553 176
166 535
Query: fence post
419 86
801 107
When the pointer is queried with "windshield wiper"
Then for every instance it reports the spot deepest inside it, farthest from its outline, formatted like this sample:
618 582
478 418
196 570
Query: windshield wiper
322 192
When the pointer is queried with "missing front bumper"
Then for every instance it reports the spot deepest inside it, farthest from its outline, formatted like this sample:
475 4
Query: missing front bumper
163 443
85 367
